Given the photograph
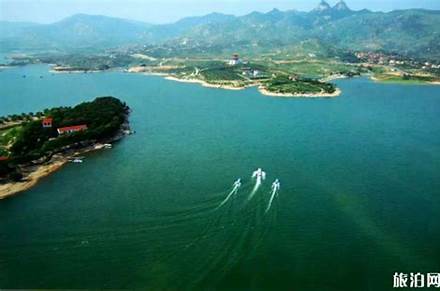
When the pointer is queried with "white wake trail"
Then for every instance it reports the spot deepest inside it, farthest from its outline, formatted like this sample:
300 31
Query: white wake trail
233 192
274 192
256 187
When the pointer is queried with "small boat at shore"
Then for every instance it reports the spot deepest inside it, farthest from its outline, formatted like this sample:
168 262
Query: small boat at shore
108 146
77 160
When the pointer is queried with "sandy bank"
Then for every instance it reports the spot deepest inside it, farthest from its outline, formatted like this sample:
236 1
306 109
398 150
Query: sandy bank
31 180
33 174
153 69
333 77
206 84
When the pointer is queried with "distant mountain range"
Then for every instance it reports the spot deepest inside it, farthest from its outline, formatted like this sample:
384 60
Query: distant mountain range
414 32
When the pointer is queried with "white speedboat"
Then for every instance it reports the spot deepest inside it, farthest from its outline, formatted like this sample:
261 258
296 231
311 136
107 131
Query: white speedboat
259 174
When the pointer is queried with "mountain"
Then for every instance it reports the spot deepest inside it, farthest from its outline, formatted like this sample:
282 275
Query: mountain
322 7
338 11
414 32
409 32
341 9
77 31
10 29
341 6
159 33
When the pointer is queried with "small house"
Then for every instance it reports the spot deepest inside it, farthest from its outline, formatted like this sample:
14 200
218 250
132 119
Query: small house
47 122
235 60
72 129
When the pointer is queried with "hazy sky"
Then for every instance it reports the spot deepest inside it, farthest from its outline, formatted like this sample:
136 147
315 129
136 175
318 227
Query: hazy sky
162 11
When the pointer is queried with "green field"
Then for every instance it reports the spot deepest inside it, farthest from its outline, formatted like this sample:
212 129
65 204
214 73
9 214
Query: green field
284 85
7 137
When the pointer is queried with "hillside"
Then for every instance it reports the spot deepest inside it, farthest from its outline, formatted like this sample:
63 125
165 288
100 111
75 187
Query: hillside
412 32
75 32
30 140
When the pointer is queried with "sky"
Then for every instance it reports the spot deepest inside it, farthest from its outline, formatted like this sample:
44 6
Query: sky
166 11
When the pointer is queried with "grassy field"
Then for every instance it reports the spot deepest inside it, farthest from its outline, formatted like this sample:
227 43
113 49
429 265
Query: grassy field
7 137
411 79
315 69
221 73
403 75
283 84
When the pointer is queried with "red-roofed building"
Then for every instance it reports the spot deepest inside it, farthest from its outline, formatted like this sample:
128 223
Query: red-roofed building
4 158
47 122
71 129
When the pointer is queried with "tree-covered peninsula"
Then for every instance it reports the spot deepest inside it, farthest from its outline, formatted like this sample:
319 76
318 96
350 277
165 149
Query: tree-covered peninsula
31 140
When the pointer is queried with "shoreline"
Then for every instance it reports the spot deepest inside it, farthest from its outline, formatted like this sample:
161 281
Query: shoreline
13 188
402 82
264 91
261 89
34 173
333 78
206 84
267 93
76 71
69 70
231 87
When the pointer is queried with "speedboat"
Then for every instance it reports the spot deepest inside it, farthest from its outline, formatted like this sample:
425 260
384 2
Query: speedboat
259 174
276 185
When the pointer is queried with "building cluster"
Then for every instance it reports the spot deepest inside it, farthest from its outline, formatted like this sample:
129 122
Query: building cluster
428 65
380 58
394 60
246 70
235 60
251 73
48 123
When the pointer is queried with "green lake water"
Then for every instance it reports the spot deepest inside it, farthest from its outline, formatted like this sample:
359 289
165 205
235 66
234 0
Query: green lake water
359 198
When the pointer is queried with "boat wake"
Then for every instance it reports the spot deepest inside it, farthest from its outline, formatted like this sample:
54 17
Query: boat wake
275 188
259 176
234 191
231 231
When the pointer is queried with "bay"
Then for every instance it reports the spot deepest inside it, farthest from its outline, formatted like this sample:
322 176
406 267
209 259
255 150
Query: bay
359 198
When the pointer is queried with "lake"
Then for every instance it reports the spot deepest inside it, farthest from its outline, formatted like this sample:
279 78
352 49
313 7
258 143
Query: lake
359 197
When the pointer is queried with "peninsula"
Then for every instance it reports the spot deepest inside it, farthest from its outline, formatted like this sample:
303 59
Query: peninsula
34 145
237 74
307 74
